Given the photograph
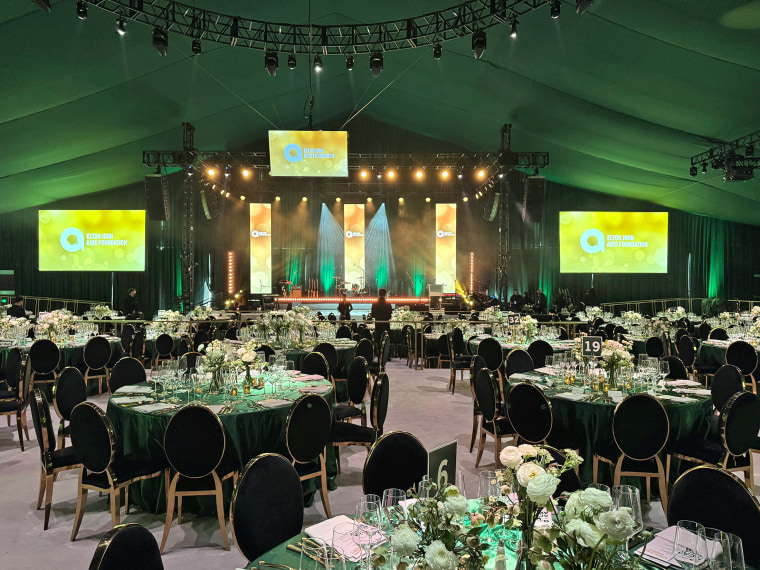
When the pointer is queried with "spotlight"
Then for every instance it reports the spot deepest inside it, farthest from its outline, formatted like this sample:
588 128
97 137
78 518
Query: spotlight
246 173
445 174
427 199
363 174
276 198
160 40
401 200
376 63
304 199
227 195
211 172
291 61
437 51
226 170
390 174
555 8
317 63
460 175
693 171
513 33
271 62
501 175
704 168
465 199
582 5
121 26
379 176
750 150
242 198
337 199
82 10
196 47
419 174
369 199
478 43
350 62
481 174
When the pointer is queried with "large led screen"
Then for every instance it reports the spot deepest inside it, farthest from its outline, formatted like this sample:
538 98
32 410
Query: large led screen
92 240
613 242
308 153
261 247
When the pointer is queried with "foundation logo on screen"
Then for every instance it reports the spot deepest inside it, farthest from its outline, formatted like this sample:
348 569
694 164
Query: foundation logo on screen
598 244
259 233
350 234
442 234
308 153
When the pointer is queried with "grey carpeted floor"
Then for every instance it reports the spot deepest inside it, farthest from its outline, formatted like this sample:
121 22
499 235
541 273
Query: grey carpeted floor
419 404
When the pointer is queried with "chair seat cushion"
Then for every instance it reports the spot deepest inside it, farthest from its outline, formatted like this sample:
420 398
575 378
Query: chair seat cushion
464 358
708 450
8 405
65 457
503 426
128 467
343 411
343 432
5 394
611 453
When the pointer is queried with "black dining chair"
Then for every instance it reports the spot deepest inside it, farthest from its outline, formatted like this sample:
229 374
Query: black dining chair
460 346
492 423
518 361
344 331
231 333
200 339
539 350
127 371
640 430
127 334
717 498
382 469
742 354
97 354
490 349
654 347
677 370
383 356
267 505
728 380
478 363
185 345
331 355
569 482
307 432
718 333
138 347
44 356
442 344
365 349
703 331
529 413
69 391
456 363
164 348
104 467
53 460
126 547
13 401
201 456
316 363
357 384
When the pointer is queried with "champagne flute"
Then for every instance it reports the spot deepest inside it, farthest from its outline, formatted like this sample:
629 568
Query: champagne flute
664 368
366 528
628 497
717 549
689 548
736 552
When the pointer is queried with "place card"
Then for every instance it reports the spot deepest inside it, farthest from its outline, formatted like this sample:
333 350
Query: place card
273 403
6 343
570 396
578 390
615 395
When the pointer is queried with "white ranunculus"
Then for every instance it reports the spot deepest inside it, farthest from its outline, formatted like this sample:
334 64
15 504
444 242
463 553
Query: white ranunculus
574 505
438 557
249 357
405 540
596 498
456 505
527 471
585 533
617 524
541 487
528 450
510 457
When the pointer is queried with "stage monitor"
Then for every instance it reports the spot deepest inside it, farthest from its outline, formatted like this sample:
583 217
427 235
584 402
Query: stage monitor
613 242
308 153
92 240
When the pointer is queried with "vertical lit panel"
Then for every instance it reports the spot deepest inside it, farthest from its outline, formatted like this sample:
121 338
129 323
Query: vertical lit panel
446 246
261 248
353 244
472 272
231 285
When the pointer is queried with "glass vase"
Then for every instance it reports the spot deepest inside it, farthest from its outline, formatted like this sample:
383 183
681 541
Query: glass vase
523 550
217 381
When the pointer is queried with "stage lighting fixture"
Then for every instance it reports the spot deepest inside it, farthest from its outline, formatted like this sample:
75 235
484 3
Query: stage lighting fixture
460 175
369 199
291 61
704 168
246 173
390 174
226 170
121 26
337 199
44 5
376 63
501 175
242 197
555 8
276 198
437 51
465 199
363 174
82 10
221 191
160 40
445 174
481 174
350 62
196 47
750 150
317 63
513 33
419 174
211 172
304 198
535 171
716 164
478 43
227 195
693 171
401 200
379 176
582 5
427 199
271 62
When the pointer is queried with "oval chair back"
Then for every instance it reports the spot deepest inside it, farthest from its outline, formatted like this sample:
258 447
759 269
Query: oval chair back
93 437
127 333
718 499
43 425
343 331
44 356
539 350
490 350
164 346
458 338
231 333
97 353
742 354
728 380
379 408
609 330
385 351
127 546
477 364
681 332
184 345
127 371
267 350
194 441
366 334
69 391
654 346
718 333
529 412
686 350
640 427
518 360
677 369
442 344
382 470
704 331
487 394
200 338
358 380
315 363
330 353
187 361
138 346
740 423
308 428
12 367
365 349
267 505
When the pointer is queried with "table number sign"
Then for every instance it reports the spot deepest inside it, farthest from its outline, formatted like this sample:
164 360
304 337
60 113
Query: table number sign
591 346
442 464
513 319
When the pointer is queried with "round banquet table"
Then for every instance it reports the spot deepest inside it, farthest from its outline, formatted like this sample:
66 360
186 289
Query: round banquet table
588 424
506 347
713 352
346 350
253 430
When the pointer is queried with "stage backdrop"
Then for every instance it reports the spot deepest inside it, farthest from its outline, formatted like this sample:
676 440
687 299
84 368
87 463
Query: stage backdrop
446 246
353 243
261 247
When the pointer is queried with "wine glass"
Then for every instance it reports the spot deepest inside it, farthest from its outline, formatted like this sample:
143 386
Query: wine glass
736 552
627 497
460 482
664 368
391 509
366 527
689 548
717 549
343 545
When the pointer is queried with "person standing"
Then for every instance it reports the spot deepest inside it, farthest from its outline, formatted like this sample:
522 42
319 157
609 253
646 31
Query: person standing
344 308
381 311
516 301
541 302
131 308
17 309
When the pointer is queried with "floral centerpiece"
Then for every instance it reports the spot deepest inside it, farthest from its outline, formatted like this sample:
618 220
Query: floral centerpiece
616 355
168 322
679 312
530 326
201 313
593 312
282 323
301 323
10 326
632 318
247 357
755 312
101 311
754 330
216 355
403 315
56 323
493 315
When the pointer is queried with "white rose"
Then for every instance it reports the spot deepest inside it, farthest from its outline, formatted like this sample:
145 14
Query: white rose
510 457
405 540
527 471
240 351
438 557
249 357
617 524
586 534
541 487
456 505
528 450
574 505
596 498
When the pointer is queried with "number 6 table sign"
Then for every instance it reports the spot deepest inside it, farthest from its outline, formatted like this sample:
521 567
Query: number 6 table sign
591 346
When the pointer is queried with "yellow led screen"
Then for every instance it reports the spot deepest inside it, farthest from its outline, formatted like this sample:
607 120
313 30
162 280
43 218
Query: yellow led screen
261 248
613 242
308 153
353 244
92 240
446 246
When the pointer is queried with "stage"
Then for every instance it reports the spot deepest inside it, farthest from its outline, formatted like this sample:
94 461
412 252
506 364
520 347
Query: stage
359 303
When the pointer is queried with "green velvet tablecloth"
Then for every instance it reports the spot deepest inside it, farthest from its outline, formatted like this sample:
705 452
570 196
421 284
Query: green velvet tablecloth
557 346
252 430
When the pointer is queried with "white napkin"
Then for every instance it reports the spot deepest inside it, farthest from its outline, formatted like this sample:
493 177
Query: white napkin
270 403
545 370
130 399
309 377
695 391
134 390
679 383
155 407
351 550
323 389
677 399
660 549
570 396
522 376
216 408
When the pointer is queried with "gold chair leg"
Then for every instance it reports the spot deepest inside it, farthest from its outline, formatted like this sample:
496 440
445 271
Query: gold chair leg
323 488
595 475
667 469
126 500
179 509
115 496
497 451
481 446
169 511
24 425
648 490
81 502
220 514
663 482
41 494
48 499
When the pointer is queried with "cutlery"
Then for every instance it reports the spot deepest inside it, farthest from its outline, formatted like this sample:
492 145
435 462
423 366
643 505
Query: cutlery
280 566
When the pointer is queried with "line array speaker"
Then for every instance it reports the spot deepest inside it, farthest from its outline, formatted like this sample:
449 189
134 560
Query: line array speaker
533 199
156 197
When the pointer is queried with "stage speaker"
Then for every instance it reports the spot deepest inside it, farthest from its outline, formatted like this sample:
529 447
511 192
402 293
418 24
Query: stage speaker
533 198
156 198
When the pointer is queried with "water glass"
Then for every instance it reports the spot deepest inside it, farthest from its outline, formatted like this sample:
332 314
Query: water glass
628 497
718 549
736 552
488 485
343 543
689 547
